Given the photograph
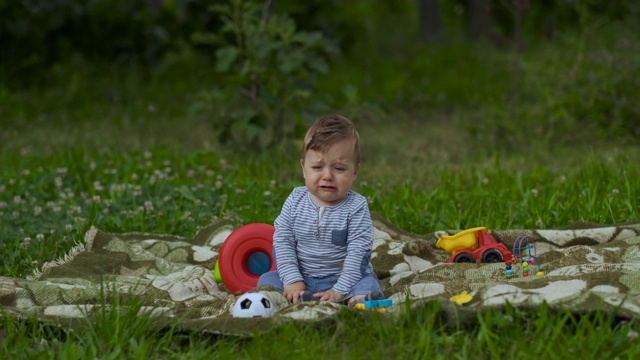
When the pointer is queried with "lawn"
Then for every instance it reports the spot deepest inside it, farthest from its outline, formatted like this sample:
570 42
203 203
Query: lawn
122 152
160 175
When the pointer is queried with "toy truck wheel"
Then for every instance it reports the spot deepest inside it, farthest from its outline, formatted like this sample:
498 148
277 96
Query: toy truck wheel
464 258
492 256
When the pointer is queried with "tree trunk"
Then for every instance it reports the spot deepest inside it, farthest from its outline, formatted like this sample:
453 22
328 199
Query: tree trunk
479 18
430 20
154 6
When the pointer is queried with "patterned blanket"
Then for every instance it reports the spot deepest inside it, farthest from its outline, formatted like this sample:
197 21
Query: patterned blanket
586 267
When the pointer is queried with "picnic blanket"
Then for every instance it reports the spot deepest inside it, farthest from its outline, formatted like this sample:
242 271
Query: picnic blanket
586 267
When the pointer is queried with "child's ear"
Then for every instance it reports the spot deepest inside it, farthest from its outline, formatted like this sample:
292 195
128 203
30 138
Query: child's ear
356 170
302 166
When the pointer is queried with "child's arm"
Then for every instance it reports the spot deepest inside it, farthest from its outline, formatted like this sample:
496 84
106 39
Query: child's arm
284 252
359 246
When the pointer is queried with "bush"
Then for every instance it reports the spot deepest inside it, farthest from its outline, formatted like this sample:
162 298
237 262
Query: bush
269 70
36 34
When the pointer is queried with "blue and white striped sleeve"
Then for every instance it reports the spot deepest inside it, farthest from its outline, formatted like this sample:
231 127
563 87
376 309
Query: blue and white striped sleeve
284 245
359 245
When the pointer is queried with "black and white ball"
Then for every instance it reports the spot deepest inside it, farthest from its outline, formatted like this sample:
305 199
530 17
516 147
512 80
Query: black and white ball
252 305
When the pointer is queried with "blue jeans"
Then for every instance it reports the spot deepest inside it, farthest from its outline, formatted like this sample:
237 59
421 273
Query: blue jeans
368 284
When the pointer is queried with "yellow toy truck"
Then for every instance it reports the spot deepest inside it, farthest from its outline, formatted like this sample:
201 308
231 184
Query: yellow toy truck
474 245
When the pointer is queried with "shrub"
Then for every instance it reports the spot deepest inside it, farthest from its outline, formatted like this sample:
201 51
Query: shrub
268 73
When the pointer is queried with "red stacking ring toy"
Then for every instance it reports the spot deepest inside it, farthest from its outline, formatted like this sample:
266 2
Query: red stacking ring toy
246 254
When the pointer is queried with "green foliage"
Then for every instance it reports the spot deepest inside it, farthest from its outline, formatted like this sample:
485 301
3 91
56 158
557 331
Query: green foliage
513 199
35 35
69 163
575 72
583 85
269 70
112 329
474 136
47 202
50 202
560 91
420 331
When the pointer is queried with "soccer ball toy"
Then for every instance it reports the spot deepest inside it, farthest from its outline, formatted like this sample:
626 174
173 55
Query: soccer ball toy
252 305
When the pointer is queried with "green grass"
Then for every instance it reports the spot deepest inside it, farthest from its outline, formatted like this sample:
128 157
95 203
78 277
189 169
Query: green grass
414 334
122 151
52 197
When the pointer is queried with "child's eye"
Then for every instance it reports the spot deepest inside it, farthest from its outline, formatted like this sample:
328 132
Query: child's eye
340 169
316 167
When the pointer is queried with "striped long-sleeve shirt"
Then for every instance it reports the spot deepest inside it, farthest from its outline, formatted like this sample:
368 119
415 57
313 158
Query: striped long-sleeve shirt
322 241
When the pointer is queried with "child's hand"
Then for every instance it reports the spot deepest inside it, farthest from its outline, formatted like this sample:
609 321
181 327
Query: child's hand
293 291
329 295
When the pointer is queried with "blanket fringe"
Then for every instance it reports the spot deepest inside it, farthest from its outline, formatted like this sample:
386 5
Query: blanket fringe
86 245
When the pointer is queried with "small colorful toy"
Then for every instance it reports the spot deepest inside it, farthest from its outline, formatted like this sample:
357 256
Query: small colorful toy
477 245
474 245
252 305
376 305
520 245
245 255
462 298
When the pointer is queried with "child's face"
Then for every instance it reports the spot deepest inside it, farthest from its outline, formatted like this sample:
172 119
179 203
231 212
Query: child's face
328 175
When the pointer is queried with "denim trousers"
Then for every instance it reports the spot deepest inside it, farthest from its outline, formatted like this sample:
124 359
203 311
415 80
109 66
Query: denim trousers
368 284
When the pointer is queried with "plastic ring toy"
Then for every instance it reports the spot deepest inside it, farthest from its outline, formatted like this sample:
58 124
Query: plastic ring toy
245 255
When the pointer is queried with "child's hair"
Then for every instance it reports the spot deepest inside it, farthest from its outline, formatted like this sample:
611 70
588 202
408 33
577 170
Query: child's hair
327 131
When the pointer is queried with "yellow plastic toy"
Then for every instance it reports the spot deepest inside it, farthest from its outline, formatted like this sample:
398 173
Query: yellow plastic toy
461 298
474 245
464 240
363 307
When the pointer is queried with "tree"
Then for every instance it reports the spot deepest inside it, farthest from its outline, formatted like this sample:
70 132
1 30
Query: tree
430 20
480 20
